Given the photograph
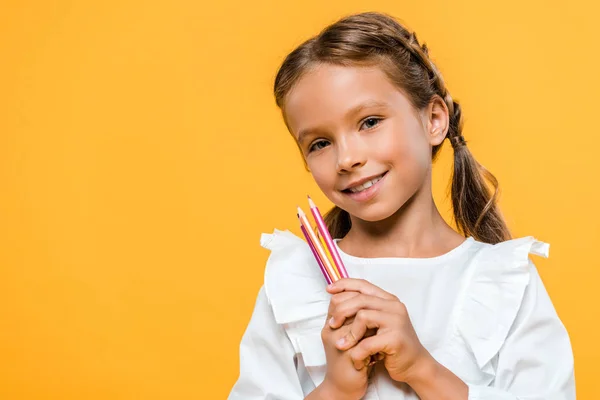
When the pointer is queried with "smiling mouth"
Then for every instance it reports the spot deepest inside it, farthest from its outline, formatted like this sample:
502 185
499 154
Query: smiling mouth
364 186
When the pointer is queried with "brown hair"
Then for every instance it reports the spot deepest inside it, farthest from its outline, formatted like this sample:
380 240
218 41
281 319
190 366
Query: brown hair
372 38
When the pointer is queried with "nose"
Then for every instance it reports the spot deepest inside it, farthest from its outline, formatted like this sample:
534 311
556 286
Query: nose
351 155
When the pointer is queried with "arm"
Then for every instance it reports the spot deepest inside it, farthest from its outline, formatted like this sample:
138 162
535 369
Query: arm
436 382
325 392
267 365
535 362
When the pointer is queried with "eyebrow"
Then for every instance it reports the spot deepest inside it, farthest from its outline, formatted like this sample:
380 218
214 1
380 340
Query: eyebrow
353 111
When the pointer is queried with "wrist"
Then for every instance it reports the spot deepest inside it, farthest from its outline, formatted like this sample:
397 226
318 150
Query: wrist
424 373
327 391
434 381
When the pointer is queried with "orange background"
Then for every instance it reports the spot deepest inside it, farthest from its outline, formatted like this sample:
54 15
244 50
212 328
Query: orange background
141 156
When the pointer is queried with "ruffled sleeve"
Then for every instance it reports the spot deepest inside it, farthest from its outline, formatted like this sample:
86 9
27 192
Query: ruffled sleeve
296 291
508 323
294 284
283 335
267 359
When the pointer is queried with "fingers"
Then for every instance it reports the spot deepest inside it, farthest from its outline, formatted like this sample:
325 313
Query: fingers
364 320
361 353
338 299
359 285
352 305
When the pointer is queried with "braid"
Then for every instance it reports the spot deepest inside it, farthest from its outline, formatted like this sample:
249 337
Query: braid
475 208
421 52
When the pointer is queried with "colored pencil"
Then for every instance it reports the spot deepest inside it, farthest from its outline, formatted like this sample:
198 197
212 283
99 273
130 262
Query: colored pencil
317 244
314 251
337 260
338 269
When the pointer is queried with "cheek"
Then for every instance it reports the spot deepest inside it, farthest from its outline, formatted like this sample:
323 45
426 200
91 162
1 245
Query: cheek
407 151
321 172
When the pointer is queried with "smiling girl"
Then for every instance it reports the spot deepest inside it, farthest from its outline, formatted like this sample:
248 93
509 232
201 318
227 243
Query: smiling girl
446 314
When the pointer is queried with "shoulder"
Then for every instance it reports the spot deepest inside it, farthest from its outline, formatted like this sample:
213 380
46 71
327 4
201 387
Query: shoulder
294 285
511 252
497 279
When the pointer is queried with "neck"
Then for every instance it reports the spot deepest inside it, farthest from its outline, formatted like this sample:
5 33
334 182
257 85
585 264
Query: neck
416 230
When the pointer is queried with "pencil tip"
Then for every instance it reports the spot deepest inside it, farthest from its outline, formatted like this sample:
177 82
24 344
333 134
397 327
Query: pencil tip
311 202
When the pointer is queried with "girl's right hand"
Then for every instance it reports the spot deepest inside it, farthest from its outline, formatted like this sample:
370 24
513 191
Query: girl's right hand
342 380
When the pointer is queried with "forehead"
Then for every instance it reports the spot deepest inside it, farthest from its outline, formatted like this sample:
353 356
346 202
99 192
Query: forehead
327 92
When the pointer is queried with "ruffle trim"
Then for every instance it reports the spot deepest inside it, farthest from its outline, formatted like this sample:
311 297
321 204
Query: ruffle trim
294 283
493 295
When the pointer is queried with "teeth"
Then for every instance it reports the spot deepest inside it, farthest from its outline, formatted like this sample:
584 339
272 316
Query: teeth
365 185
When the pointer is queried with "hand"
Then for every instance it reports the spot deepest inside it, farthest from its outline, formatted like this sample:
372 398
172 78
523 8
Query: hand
404 356
343 380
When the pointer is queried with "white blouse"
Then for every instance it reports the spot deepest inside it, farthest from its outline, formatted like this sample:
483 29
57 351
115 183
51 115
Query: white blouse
481 310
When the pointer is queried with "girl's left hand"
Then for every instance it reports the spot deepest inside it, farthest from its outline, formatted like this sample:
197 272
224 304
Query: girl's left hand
404 356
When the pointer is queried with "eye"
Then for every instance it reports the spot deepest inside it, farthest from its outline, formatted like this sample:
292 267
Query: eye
318 145
371 122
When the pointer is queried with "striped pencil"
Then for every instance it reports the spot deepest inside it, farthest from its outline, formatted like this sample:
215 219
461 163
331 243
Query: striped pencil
337 271
337 260
318 247
314 251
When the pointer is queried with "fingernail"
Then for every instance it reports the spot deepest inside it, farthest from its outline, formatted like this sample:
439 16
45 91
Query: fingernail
331 321
340 342
330 286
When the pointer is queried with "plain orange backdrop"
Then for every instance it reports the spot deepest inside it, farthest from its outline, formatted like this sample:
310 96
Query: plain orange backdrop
141 156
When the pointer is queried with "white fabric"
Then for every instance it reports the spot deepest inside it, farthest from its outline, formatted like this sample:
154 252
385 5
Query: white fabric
481 310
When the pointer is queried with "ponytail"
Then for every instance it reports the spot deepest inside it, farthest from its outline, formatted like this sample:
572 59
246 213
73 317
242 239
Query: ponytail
475 207
338 222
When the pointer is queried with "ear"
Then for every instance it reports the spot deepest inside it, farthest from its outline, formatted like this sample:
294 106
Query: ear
437 121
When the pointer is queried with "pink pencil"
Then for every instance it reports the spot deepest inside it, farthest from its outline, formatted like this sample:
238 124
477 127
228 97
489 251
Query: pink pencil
312 247
333 273
328 240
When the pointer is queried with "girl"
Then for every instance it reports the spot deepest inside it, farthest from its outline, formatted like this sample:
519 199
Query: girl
445 314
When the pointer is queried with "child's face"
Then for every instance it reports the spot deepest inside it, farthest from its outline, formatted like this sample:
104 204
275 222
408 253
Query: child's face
351 124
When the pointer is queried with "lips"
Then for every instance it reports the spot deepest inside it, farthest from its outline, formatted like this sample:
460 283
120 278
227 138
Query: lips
367 191
363 184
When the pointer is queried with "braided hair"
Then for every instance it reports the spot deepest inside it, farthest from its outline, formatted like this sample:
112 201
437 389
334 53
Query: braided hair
377 39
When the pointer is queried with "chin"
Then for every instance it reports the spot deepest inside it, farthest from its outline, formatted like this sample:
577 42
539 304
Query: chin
373 212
